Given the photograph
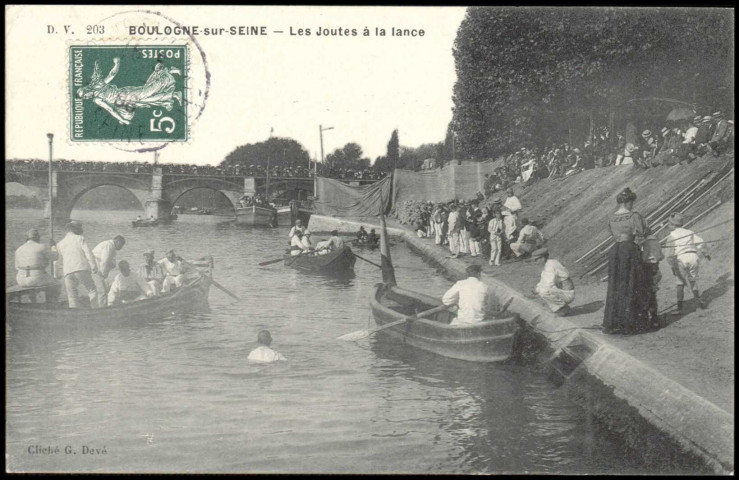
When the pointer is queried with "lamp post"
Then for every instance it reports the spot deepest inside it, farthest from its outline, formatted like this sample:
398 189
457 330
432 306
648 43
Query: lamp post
315 173
50 136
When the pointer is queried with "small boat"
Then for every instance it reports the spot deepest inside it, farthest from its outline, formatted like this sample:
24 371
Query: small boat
488 341
145 223
256 215
338 262
357 243
192 296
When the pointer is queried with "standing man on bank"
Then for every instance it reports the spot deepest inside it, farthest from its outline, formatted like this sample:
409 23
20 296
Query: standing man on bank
684 253
78 264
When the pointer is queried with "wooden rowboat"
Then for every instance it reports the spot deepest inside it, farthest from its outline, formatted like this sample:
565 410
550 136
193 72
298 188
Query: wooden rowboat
488 341
192 296
338 262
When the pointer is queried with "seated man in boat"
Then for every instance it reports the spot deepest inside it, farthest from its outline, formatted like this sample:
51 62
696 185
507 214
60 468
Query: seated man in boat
264 354
473 297
127 286
335 242
372 238
297 228
152 272
530 238
245 201
31 260
138 218
297 246
362 235
174 268
555 286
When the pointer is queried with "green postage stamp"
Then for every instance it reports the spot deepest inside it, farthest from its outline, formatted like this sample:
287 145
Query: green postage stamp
128 93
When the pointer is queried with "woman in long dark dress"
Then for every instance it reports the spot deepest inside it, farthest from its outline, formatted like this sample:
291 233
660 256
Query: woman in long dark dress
629 279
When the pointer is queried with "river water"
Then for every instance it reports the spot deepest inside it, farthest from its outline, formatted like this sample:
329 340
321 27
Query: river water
177 394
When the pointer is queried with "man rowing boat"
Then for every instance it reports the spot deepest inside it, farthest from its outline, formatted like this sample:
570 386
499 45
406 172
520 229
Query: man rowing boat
127 286
174 268
473 297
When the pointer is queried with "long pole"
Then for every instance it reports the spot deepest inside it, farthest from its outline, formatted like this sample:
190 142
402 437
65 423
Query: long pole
315 180
51 188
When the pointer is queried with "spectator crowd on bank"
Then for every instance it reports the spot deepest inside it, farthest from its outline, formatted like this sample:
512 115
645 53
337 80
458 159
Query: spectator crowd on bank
676 142
276 171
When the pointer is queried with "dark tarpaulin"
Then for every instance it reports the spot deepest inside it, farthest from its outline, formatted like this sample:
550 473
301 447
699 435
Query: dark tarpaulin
338 199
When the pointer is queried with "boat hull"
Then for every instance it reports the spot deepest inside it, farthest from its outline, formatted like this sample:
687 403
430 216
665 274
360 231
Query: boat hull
256 216
489 341
339 262
286 218
193 296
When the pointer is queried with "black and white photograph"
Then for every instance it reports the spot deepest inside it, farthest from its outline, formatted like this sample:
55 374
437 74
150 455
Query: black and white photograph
369 239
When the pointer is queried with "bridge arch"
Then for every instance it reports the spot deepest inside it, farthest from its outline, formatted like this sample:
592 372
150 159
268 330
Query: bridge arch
72 187
176 188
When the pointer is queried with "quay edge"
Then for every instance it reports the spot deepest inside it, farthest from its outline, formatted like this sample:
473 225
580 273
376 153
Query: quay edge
630 398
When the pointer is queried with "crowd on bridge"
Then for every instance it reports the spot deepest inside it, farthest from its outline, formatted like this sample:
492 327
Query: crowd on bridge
676 142
276 171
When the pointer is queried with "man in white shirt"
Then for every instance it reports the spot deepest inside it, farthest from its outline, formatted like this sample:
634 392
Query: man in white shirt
104 253
298 228
473 297
335 242
31 260
454 229
511 203
555 286
174 271
264 354
127 286
530 238
296 244
78 264
683 255
496 228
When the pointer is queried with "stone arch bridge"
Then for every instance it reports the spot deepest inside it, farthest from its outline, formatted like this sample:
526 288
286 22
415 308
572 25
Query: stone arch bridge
156 191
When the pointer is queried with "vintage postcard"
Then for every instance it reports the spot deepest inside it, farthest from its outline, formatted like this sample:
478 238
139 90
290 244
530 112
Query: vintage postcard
356 240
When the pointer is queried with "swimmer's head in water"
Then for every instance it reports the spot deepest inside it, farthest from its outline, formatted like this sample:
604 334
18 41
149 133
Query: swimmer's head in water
264 338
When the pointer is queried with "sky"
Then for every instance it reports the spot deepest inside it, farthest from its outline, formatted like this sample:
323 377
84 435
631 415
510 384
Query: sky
363 87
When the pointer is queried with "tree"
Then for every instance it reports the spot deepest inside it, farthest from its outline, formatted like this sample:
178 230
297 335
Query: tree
280 151
393 150
523 75
347 157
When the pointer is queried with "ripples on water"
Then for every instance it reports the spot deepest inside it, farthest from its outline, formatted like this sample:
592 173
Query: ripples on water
177 395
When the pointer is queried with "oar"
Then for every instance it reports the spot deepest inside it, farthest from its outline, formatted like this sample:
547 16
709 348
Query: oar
373 263
366 333
270 262
224 289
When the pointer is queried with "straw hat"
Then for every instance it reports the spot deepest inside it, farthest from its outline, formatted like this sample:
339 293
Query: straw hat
717 115
707 118
646 133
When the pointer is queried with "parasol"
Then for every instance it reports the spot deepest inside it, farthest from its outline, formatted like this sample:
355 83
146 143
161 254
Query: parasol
680 113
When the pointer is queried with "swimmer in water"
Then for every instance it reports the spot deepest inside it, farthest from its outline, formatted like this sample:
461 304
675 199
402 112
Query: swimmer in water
263 353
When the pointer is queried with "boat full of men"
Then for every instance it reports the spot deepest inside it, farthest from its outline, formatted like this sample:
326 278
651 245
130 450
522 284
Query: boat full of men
76 264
